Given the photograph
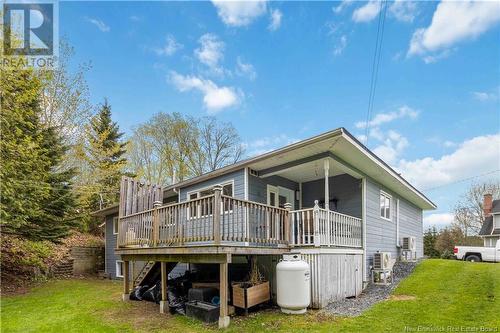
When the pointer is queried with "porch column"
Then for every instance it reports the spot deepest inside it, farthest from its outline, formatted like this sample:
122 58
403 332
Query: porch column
126 281
326 166
327 200
164 279
223 286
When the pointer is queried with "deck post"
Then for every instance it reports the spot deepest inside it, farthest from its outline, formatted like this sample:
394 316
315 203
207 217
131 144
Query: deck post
156 223
317 240
288 221
223 287
126 280
164 279
216 214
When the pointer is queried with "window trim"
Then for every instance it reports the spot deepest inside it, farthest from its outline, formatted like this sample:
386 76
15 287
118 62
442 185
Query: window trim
117 265
115 218
388 196
202 189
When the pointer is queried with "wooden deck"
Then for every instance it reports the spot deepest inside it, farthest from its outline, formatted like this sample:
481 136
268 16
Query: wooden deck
221 224
216 227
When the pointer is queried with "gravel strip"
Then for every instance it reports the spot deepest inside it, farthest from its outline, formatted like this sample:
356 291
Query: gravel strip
352 307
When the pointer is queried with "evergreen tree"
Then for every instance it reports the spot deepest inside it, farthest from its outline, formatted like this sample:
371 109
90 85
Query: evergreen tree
36 196
22 176
103 154
430 237
57 216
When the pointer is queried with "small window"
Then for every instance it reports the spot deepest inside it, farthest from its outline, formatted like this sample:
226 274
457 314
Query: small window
115 225
385 206
119 268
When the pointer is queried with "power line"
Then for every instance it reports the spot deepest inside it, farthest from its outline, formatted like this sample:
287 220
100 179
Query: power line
375 64
462 180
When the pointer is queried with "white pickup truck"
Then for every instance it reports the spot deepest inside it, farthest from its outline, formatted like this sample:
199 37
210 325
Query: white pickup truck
478 253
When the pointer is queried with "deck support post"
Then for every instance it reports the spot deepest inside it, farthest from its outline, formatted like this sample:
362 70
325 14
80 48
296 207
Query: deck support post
126 280
164 279
216 214
223 287
326 166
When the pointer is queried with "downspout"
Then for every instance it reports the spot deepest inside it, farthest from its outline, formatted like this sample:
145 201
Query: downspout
398 244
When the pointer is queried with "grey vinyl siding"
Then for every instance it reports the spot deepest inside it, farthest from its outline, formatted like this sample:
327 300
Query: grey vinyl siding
345 188
110 245
381 233
237 176
257 187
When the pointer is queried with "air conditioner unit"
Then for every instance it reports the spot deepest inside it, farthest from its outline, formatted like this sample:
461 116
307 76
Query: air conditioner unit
409 244
381 260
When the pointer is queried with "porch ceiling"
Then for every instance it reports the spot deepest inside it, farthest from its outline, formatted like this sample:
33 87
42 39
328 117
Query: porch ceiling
312 170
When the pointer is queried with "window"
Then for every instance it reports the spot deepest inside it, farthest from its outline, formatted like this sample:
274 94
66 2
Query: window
205 208
385 205
115 225
119 268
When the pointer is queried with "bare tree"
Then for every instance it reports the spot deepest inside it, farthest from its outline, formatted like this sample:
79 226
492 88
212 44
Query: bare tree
469 215
219 144
65 99
174 146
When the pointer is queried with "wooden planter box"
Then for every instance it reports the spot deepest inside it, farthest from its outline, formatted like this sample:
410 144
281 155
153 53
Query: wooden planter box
246 297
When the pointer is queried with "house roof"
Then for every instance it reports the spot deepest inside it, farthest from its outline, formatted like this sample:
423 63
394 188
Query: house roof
339 143
495 209
106 211
487 227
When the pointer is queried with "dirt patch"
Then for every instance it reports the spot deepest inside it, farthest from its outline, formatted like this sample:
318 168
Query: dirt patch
402 298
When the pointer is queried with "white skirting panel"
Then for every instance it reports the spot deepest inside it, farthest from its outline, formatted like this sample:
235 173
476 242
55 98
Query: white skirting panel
334 276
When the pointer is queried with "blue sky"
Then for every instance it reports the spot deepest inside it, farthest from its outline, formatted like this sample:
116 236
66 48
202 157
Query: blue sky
285 71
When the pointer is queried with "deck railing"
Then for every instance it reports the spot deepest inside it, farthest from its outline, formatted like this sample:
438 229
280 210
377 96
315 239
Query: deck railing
214 219
320 227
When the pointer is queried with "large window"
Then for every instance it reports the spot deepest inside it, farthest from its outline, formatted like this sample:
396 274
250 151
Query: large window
205 208
385 205
119 268
115 225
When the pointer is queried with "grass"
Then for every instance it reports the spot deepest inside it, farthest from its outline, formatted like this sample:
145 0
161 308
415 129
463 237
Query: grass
441 295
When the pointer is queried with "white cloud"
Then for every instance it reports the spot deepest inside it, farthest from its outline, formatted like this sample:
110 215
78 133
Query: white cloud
393 144
343 5
339 48
99 24
453 22
403 10
439 220
276 16
239 13
135 18
473 157
485 96
382 118
267 144
245 69
367 12
210 52
215 98
171 46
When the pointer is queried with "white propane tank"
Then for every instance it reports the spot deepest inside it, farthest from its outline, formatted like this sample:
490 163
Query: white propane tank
293 284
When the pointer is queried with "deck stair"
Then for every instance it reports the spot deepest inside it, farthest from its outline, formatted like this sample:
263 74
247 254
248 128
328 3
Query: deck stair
151 272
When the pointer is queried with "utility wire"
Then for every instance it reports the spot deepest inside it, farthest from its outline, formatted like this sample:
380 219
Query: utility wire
462 180
375 64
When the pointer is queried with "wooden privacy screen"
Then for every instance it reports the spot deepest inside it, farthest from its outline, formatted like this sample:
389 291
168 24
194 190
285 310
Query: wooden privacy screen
136 197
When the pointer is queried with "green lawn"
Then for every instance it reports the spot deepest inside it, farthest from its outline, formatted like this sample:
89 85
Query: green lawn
444 293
